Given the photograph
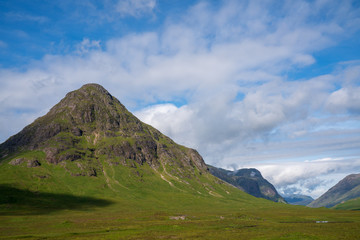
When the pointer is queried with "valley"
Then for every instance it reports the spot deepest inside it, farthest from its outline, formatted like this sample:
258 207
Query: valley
89 169
163 212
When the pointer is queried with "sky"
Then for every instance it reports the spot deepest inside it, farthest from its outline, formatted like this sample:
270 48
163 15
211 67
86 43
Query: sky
270 84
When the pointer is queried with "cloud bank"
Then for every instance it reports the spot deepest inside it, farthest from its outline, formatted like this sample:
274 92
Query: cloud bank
310 177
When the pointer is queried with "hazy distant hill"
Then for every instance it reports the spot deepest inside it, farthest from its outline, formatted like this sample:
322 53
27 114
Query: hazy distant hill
298 199
250 181
346 189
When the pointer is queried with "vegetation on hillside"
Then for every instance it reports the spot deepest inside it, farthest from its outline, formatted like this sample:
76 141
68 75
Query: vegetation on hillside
352 204
346 189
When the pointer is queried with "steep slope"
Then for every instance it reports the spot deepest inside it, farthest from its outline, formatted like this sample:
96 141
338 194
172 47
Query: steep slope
346 189
298 199
89 122
89 143
250 181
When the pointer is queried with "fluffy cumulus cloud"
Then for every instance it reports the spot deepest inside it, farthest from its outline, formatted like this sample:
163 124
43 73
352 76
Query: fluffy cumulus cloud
217 79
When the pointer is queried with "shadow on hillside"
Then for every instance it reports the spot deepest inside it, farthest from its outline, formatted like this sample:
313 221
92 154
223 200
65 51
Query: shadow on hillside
15 201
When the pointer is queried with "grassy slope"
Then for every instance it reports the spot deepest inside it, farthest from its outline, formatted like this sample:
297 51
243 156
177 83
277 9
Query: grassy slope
136 203
353 204
335 199
346 189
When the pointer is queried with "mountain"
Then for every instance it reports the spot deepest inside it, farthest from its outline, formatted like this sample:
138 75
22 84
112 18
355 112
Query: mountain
298 199
250 181
90 124
89 143
89 169
346 189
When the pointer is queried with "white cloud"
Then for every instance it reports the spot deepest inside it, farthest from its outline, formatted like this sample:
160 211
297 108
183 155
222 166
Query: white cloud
87 45
345 99
135 8
170 120
292 172
311 178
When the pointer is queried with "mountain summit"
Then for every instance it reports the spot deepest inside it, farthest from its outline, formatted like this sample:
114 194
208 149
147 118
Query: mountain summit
89 123
89 133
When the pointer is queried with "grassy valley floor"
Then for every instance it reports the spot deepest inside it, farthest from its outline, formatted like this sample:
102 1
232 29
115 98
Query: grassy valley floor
137 202
206 218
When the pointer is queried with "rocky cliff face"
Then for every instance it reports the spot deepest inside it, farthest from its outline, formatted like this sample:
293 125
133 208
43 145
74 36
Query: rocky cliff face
90 124
250 181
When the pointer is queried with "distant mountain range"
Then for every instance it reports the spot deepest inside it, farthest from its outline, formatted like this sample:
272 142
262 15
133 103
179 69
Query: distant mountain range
346 189
250 181
298 199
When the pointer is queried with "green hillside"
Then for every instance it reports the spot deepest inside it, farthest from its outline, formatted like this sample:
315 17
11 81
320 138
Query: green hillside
353 204
90 145
89 169
348 188
135 203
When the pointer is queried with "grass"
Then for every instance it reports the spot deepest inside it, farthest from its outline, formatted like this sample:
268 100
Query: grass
127 220
124 202
353 204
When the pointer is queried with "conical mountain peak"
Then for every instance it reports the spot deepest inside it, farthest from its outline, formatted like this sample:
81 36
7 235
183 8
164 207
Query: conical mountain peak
90 124
83 112
93 86
92 108
88 94
91 92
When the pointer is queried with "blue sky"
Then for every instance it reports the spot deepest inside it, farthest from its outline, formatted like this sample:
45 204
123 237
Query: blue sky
266 84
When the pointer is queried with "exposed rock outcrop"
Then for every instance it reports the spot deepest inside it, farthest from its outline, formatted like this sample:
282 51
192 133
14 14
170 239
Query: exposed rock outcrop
250 181
89 124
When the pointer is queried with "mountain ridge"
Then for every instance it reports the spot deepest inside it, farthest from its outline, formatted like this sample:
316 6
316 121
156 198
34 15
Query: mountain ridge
250 181
346 189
